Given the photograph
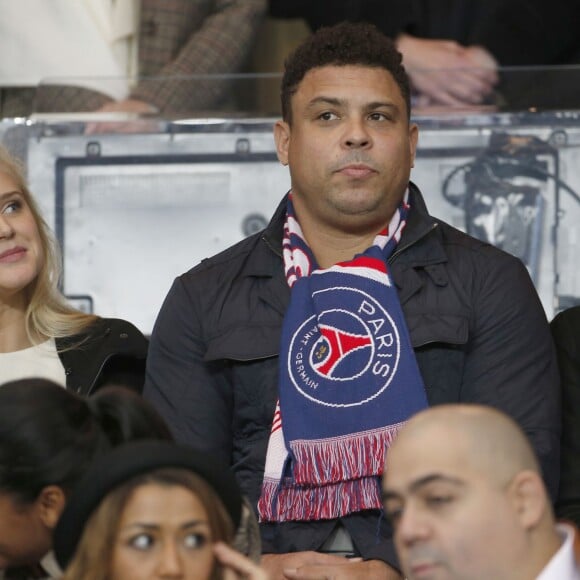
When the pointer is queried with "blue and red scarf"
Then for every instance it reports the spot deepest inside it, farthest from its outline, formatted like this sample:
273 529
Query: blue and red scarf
348 381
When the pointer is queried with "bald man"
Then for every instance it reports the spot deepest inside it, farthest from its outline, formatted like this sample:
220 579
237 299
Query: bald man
463 490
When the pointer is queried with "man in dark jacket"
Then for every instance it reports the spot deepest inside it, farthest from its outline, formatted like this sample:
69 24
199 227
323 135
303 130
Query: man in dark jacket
297 354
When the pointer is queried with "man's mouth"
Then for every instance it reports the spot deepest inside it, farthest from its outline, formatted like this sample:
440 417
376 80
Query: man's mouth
357 170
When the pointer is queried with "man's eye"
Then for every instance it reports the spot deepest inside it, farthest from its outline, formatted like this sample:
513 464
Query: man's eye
393 514
328 116
141 542
378 117
439 500
194 541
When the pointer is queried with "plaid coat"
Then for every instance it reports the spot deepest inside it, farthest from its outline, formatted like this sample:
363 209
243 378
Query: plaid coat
178 38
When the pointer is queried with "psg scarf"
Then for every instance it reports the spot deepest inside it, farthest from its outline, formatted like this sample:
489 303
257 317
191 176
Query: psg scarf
348 381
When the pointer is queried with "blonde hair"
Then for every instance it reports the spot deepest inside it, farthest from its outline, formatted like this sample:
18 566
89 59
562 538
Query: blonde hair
47 312
94 554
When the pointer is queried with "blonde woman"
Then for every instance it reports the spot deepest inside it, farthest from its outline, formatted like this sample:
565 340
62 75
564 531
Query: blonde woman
40 334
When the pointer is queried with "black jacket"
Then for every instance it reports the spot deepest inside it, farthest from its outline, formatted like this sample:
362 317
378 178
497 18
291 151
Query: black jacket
476 324
109 351
566 333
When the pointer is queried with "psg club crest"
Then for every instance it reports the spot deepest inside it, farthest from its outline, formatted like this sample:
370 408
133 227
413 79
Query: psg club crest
344 344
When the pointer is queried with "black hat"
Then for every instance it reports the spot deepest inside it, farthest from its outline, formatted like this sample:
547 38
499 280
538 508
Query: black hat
125 462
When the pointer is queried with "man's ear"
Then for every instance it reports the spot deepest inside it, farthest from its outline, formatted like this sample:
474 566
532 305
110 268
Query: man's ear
50 504
413 140
529 498
282 139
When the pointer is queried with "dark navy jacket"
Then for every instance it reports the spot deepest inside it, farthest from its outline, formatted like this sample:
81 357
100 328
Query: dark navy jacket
478 329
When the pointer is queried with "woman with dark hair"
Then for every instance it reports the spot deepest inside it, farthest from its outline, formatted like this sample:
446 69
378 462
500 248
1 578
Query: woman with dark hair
40 334
153 509
48 438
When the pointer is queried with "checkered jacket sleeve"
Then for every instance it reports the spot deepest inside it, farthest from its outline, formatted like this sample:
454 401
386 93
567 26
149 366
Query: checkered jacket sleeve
193 37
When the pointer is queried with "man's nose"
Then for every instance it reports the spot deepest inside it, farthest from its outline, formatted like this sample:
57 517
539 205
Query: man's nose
412 526
356 134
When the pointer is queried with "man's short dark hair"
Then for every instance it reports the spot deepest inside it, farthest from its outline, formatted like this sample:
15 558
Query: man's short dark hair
344 44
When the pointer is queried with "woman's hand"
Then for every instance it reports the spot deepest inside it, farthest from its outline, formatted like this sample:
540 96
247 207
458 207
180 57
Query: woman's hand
236 565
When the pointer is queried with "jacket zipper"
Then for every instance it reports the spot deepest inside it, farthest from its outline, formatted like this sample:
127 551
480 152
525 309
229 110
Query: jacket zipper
96 377
265 240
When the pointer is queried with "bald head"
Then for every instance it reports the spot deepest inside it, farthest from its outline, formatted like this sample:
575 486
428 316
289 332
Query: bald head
463 490
490 440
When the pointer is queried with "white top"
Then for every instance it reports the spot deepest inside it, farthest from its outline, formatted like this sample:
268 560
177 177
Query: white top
563 565
89 43
40 361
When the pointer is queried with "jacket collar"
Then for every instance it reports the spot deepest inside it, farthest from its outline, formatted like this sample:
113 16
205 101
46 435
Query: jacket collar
274 232
266 260
414 253
420 224
271 244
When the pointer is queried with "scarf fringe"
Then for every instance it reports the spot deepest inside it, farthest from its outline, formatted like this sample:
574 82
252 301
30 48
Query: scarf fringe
283 503
326 461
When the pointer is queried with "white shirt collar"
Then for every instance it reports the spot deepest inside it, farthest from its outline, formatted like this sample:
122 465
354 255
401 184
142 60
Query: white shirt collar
50 566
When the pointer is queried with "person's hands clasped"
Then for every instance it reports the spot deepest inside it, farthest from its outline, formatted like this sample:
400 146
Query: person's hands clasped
317 566
446 73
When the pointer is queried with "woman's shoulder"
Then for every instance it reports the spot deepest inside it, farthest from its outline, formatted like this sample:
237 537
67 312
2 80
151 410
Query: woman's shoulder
118 327
115 334
109 350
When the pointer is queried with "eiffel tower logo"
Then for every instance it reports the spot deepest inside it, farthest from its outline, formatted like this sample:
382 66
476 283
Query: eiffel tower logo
334 346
